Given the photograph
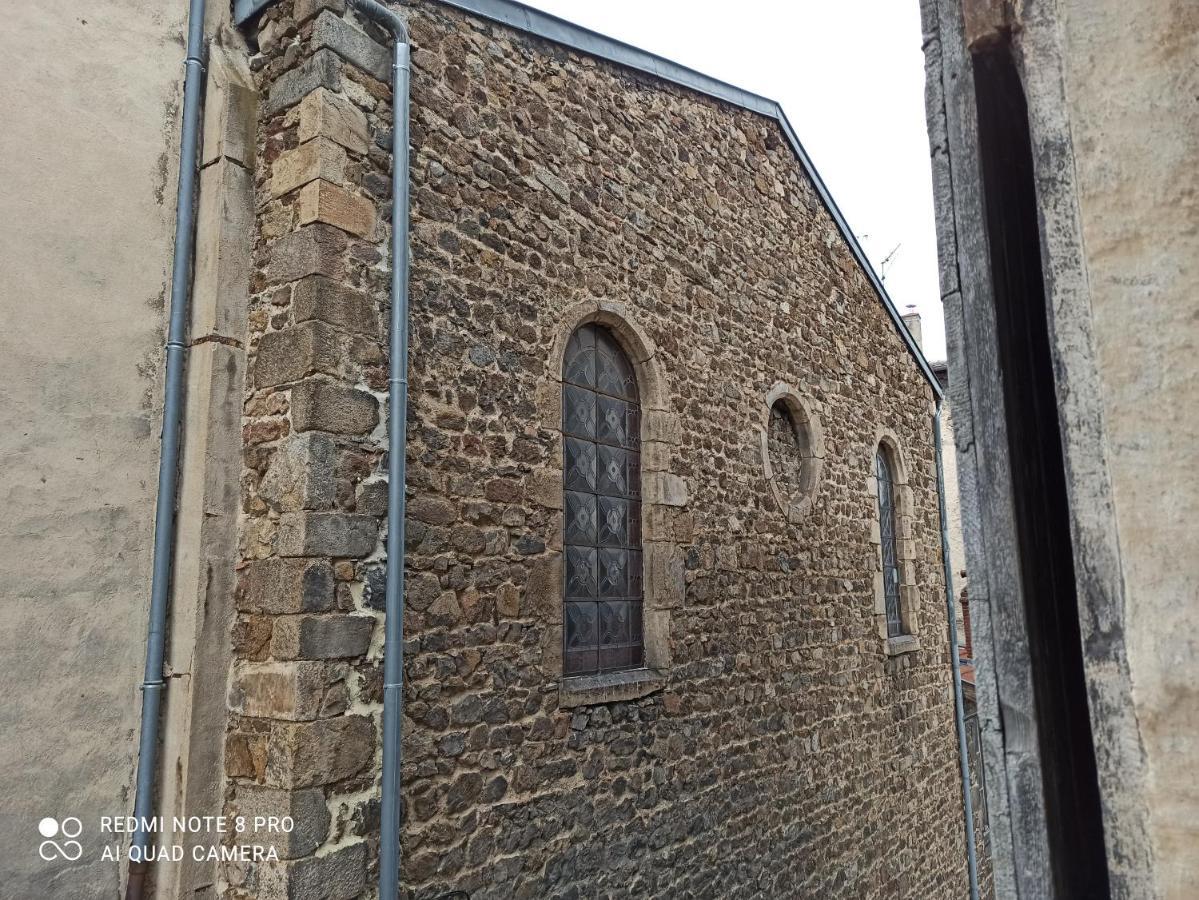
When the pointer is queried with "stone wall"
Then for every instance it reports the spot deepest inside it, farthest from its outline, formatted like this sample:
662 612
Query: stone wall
777 749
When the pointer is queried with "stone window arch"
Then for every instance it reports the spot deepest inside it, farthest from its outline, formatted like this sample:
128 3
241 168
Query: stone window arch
896 597
665 522
792 445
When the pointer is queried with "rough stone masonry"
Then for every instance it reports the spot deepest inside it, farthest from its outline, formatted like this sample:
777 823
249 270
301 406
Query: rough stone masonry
776 748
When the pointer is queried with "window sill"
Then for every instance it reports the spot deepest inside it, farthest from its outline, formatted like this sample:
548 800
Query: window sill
904 643
610 687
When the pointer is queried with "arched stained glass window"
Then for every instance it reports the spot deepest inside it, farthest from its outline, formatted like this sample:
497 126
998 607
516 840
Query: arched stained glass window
601 416
889 541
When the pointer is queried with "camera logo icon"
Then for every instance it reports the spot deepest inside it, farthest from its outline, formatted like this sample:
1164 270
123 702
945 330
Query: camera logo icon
69 849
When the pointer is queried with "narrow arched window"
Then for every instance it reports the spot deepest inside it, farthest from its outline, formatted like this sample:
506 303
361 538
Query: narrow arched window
889 541
601 415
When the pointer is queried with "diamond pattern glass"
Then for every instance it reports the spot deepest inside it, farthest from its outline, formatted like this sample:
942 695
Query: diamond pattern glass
613 573
579 417
612 422
886 523
581 625
615 526
580 465
602 622
581 519
581 572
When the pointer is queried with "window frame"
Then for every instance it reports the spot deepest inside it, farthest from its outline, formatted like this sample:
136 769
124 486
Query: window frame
667 525
795 505
597 373
906 638
888 519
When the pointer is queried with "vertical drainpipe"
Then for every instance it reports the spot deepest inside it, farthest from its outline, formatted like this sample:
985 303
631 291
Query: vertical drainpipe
397 439
959 712
168 465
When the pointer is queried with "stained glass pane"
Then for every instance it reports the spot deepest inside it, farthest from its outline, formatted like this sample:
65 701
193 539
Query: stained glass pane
612 472
636 590
613 578
632 428
887 539
581 662
581 572
612 422
579 412
614 627
613 529
579 366
579 460
581 519
613 659
613 371
602 484
581 622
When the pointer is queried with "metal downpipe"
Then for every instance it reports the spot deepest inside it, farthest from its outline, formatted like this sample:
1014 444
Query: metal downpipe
168 465
959 712
397 441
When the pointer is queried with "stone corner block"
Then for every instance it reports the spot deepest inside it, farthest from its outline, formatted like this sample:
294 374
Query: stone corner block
224 238
318 405
340 875
306 9
280 586
327 115
292 353
315 249
262 806
666 489
321 637
659 425
322 69
302 473
319 158
321 299
321 201
305 754
231 114
290 691
354 46
327 534
543 591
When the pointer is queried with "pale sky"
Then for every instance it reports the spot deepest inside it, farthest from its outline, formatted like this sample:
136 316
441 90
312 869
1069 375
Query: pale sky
850 74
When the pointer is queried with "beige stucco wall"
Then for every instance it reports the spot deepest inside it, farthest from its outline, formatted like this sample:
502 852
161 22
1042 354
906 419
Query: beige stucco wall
953 503
1132 79
953 510
87 183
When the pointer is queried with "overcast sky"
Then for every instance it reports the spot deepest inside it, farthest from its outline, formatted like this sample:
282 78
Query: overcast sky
850 74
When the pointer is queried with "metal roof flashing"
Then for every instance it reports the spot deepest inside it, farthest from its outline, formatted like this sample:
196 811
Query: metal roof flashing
551 28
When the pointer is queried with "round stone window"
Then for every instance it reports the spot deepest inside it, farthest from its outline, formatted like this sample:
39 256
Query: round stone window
792 452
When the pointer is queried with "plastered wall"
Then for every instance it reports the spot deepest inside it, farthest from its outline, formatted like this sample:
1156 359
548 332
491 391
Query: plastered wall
1131 76
87 177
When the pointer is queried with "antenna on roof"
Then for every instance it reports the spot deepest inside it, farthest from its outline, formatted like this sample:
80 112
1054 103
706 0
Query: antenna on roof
882 266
